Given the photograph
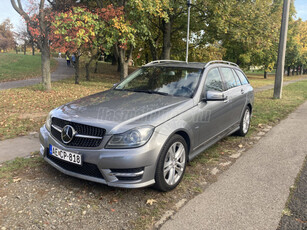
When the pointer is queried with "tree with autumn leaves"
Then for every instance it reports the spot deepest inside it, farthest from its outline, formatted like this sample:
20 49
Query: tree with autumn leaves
37 19
6 35
80 30
245 32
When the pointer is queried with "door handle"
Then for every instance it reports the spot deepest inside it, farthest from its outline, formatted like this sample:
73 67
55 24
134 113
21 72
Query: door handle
226 100
242 91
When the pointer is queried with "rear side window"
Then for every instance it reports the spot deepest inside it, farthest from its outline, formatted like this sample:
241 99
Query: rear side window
242 77
236 77
214 81
229 78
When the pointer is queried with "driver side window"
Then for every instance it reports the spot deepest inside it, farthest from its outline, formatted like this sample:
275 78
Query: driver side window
214 81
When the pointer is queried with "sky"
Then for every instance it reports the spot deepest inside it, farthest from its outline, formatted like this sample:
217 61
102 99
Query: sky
7 11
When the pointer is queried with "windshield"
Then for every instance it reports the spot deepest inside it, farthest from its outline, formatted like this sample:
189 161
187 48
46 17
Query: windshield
174 81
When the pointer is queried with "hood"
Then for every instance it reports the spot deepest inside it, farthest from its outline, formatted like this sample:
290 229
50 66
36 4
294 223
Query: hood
118 111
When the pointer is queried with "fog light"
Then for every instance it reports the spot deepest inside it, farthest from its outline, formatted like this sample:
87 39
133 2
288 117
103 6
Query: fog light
42 150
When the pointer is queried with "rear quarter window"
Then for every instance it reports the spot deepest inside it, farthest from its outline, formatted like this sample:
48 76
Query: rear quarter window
242 77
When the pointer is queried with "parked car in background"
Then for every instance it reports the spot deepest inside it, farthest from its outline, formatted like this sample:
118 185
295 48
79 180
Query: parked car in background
143 131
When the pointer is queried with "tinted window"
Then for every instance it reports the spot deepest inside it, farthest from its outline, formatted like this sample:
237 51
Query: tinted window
229 78
242 77
214 81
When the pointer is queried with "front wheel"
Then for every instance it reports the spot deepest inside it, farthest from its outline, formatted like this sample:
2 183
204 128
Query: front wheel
171 164
245 122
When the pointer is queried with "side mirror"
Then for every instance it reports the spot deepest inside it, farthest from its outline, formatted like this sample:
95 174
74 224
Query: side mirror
214 96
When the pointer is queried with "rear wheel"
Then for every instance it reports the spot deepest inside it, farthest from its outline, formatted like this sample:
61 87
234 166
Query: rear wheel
172 163
245 122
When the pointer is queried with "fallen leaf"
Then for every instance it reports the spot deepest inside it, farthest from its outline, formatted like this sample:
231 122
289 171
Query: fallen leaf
151 201
16 180
240 146
113 210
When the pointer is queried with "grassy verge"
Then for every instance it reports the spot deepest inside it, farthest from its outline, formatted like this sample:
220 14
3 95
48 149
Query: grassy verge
11 169
257 80
19 66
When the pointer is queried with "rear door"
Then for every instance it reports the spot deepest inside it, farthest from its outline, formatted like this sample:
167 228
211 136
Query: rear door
235 94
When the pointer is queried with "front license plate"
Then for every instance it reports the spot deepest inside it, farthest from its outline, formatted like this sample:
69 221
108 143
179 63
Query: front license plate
74 158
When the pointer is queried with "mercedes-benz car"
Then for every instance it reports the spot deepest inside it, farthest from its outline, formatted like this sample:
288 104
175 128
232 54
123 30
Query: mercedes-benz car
145 129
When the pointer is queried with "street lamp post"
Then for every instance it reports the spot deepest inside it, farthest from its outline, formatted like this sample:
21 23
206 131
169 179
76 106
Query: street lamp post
281 51
188 31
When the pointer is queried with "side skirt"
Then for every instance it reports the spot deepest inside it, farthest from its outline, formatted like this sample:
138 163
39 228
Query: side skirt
212 141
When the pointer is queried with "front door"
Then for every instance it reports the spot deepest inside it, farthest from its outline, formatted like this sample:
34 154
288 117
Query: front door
212 116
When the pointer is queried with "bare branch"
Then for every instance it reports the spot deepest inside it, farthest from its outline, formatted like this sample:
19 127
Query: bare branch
20 10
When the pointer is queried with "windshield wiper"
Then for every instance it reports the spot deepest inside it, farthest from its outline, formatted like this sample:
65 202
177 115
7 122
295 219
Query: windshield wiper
150 92
161 93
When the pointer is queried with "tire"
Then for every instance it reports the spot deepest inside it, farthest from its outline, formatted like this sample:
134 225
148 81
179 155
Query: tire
245 122
167 175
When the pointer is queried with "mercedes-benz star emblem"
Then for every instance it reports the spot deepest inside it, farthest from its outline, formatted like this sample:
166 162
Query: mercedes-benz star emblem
68 133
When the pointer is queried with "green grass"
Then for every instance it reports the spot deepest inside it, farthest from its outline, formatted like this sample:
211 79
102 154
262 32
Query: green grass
258 81
19 66
260 71
268 110
12 168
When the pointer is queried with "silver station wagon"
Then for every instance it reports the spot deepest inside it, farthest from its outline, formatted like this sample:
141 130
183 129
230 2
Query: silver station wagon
145 129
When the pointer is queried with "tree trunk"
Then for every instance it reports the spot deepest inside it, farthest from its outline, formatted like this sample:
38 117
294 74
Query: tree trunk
122 54
297 69
25 48
166 50
45 57
265 74
302 69
124 64
96 67
33 49
117 57
288 72
77 68
87 67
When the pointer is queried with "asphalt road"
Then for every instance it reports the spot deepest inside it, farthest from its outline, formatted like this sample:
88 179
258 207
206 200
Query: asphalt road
253 192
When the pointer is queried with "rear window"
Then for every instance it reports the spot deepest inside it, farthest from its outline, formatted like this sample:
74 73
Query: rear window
242 77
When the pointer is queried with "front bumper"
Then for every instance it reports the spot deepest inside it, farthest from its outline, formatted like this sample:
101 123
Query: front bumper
127 168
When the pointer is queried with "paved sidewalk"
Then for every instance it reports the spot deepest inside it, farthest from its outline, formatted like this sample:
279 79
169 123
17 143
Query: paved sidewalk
60 73
253 192
18 147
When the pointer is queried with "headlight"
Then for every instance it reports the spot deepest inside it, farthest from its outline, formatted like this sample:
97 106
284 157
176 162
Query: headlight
48 122
131 139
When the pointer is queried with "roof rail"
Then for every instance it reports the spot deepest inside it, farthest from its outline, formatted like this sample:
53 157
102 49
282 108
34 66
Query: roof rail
220 61
161 61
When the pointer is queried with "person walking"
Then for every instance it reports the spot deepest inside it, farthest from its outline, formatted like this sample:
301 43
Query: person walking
68 59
